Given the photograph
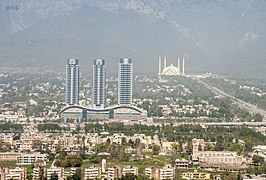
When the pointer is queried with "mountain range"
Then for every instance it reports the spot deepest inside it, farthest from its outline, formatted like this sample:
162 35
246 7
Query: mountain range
219 36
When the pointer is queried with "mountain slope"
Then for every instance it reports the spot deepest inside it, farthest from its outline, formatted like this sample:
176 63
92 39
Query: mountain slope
218 36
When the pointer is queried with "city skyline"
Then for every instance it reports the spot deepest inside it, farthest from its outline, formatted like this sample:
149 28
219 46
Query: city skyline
125 82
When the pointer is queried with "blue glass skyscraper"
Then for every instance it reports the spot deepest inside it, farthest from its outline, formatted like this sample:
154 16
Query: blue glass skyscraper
125 79
72 82
98 92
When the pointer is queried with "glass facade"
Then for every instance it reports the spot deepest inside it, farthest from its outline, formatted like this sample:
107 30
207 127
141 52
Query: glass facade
125 75
72 82
98 93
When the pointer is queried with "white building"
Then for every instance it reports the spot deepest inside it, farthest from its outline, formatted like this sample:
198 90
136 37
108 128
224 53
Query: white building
183 163
260 150
130 170
58 171
166 172
25 159
92 172
15 174
171 70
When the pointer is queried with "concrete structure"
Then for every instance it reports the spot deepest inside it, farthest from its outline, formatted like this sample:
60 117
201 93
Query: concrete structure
92 172
27 159
117 172
222 160
113 173
120 112
196 143
183 163
150 172
9 156
58 171
98 83
36 173
125 80
72 82
104 157
15 174
166 172
130 170
196 175
260 150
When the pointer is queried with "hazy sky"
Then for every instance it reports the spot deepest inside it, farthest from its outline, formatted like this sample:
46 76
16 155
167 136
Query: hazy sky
218 36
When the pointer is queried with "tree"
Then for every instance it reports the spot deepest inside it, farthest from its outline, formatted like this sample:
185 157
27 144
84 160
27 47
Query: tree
54 176
258 118
155 149
257 160
76 176
200 148
124 141
174 150
129 176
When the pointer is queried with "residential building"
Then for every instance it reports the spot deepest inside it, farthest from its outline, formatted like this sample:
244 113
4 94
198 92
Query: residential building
150 172
27 159
58 171
15 174
9 156
113 173
183 163
130 170
196 175
166 172
72 82
92 172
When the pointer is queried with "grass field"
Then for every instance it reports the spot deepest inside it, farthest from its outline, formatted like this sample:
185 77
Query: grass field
9 164
156 161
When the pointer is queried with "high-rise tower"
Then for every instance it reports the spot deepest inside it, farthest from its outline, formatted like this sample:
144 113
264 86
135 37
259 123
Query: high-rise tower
125 80
98 92
72 82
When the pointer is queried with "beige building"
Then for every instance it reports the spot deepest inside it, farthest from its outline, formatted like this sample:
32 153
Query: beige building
196 175
9 156
92 172
166 172
181 163
58 171
222 160
25 159
14 174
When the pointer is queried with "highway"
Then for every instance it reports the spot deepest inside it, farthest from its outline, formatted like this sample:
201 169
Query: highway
243 104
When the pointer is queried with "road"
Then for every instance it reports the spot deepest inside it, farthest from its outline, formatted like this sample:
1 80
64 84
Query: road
243 104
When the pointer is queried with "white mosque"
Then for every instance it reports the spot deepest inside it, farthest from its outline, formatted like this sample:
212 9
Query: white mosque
171 70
